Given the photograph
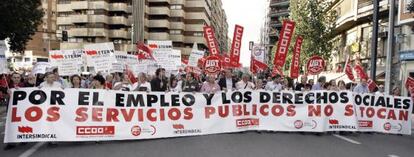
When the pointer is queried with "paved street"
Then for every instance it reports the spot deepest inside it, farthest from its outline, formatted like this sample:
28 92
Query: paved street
237 144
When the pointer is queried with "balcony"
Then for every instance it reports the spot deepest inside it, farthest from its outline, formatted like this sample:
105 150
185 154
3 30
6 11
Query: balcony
366 7
159 23
99 5
87 32
196 16
64 8
177 25
79 5
98 19
118 7
194 39
177 37
196 4
179 2
71 46
276 24
159 11
79 18
159 1
118 34
177 13
194 27
118 20
278 13
159 36
129 9
64 21
279 3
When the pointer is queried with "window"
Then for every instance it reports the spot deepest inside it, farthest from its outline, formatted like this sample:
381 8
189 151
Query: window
26 59
198 34
175 31
176 7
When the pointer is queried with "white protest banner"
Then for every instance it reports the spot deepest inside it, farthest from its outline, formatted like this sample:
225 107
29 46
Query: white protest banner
259 53
117 68
3 60
100 56
156 45
123 59
386 114
67 61
41 68
100 115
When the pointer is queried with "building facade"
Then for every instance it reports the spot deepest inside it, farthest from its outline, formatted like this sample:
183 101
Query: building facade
353 35
124 21
278 10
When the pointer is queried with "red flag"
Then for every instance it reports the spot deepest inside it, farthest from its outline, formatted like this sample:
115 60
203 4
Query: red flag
236 45
409 84
211 40
277 71
360 72
257 66
285 37
371 85
294 67
131 75
348 70
144 51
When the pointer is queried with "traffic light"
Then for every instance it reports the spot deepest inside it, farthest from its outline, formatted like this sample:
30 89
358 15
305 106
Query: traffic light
64 35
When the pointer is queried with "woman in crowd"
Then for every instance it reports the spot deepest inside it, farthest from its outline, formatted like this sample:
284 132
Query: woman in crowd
210 86
341 85
332 86
259 84
124 85
142 84
174 85
109 81
16 81
30 81
245 83
98 82
75 81
50 81
396 91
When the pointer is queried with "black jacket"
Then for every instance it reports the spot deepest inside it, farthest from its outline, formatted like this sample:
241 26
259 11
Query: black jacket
222 83
156 85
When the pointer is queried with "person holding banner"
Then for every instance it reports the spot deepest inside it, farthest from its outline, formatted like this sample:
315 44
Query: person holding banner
341 85
16 81
59 79
190 84
175 85
301 86
362 87
30 81
245 83
210 85
98 82
142 84
124 85
227 82
274 85
159 82
320 84
109 81
396 91
50 81
75 80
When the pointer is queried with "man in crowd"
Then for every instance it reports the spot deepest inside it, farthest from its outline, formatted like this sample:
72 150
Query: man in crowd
319 85
228 82
245 83
362 87
274 85
159 83
50 81
301 86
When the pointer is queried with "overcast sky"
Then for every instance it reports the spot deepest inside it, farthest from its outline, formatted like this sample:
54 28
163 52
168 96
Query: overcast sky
250 14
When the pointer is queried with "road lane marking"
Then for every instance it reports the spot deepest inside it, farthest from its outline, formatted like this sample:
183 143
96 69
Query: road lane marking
347 139
392 155
32 150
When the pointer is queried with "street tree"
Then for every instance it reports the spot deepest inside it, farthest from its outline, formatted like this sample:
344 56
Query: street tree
19 21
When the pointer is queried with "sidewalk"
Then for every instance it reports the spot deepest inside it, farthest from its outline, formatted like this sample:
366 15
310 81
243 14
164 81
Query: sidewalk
2 110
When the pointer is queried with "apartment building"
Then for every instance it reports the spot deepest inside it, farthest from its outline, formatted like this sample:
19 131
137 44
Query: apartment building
124 21
353 34
278 9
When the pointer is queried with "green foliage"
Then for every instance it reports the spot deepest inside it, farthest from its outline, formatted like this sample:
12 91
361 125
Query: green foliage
19 21
410 6
316 25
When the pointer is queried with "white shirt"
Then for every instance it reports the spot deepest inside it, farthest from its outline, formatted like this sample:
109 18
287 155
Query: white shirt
142 85
53 85
242 85
229 83
273 86
124 87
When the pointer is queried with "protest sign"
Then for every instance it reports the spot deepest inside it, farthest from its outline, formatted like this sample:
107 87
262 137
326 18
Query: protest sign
100 56
315 65
67 61
236 45
100 115
41 68
3 60
295 65
282 48
195 56
211 40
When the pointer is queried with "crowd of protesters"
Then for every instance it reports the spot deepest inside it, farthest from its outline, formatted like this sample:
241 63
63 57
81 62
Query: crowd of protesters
181 82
